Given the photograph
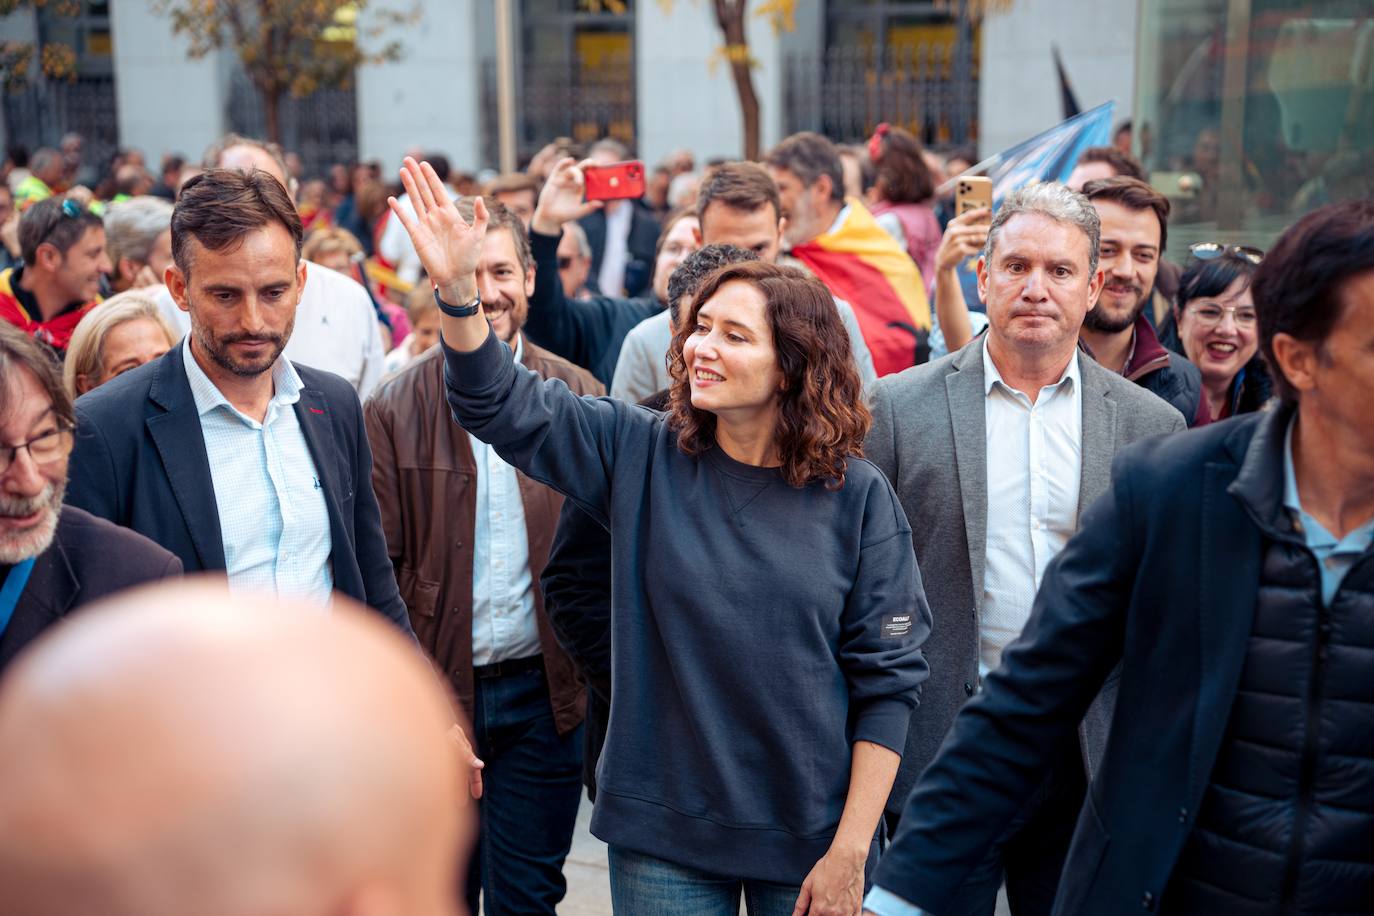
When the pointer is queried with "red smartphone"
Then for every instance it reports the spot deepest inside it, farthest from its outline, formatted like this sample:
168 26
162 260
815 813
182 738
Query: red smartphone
617 181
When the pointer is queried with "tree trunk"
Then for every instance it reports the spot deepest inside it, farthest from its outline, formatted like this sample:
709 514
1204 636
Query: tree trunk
271 106
730 18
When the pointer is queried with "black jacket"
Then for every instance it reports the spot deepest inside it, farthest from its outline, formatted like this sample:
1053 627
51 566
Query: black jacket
1287 822
585 332
89 558
640 246
1163 578
140 461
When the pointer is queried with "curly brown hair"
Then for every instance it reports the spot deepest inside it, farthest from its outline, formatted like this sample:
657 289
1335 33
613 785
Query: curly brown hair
822 418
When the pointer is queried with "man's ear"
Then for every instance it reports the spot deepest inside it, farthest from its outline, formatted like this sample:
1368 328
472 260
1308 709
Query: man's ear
696 234
49 258
301 276
1297 360
529 281
983 278
126 270
1095 285
176 285
823 187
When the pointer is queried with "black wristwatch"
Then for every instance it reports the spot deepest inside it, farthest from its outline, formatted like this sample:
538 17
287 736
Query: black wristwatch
459 311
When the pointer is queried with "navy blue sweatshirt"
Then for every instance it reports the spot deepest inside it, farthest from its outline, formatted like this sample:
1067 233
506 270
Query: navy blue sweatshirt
758 629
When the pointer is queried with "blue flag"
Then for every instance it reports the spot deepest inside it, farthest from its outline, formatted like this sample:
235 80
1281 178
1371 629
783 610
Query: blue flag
1049 156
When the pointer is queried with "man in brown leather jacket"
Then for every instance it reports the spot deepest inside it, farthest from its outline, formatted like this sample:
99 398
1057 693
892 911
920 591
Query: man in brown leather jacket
469 536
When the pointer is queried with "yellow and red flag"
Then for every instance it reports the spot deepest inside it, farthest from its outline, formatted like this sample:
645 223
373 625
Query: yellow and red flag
865 267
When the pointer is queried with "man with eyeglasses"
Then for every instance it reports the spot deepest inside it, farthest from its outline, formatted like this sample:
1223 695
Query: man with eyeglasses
574 261
63 247
53 558
1135 226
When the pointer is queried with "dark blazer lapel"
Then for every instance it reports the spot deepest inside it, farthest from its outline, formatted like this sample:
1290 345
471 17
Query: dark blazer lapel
181 445
53 586
317 425
968 419
1099 433
1231 542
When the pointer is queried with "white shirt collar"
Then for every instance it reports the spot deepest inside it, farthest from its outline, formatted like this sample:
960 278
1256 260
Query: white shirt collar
992 377
286 383
839 220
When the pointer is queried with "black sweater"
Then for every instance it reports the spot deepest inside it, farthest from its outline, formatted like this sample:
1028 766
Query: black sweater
758 629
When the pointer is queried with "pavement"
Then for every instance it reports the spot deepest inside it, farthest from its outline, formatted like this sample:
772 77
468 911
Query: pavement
589 888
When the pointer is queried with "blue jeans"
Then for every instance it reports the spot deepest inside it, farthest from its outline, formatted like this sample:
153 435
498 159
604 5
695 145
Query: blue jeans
642 884
531 789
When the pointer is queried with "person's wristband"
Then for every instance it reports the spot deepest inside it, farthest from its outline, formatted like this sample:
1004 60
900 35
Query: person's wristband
459 311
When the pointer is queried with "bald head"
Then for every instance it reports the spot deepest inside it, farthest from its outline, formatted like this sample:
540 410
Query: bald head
233 151
179 751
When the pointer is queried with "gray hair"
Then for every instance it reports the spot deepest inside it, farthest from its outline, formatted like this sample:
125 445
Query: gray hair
584 247
132 227
1053 200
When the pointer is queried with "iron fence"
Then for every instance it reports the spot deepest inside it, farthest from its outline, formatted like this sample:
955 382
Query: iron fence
322 128
40 113
562 99
845 92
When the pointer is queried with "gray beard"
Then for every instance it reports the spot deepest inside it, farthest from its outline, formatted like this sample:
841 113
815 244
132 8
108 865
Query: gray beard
15 548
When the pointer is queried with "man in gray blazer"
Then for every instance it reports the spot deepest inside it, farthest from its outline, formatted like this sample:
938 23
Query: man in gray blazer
995 451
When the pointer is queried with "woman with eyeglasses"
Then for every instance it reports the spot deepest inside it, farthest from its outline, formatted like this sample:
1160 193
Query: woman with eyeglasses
1217 330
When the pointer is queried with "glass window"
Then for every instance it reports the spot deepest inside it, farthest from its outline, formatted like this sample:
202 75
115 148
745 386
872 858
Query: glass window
1250 113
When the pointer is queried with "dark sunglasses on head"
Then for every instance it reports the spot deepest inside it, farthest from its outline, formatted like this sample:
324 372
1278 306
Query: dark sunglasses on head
1210 251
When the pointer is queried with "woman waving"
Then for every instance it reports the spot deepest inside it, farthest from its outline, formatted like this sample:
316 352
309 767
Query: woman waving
767 611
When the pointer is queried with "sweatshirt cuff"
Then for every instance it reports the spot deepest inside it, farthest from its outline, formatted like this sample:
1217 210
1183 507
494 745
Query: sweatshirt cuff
884 721
476 369
543 244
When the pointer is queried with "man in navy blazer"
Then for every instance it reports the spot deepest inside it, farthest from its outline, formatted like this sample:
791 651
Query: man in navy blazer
223 451
1227 578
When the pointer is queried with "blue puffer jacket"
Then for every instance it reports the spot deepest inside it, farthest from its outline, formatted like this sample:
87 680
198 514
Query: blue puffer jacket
1287 823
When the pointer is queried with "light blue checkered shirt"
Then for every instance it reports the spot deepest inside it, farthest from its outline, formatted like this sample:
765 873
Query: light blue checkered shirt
272 511
503 622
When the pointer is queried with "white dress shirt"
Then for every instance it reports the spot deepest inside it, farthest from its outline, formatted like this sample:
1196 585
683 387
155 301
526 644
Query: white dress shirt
503 623
615 252
395 245
272 514
1035 469
336 328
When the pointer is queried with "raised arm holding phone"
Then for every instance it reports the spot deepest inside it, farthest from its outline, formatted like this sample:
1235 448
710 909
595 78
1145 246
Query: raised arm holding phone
761 690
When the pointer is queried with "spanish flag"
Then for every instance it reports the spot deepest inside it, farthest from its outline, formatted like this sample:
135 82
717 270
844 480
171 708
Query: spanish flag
865 267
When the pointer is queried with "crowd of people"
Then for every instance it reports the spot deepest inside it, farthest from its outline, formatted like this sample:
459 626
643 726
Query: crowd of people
836 591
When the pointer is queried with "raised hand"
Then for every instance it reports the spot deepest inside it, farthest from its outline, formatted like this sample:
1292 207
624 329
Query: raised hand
964 238
449 248
560 200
